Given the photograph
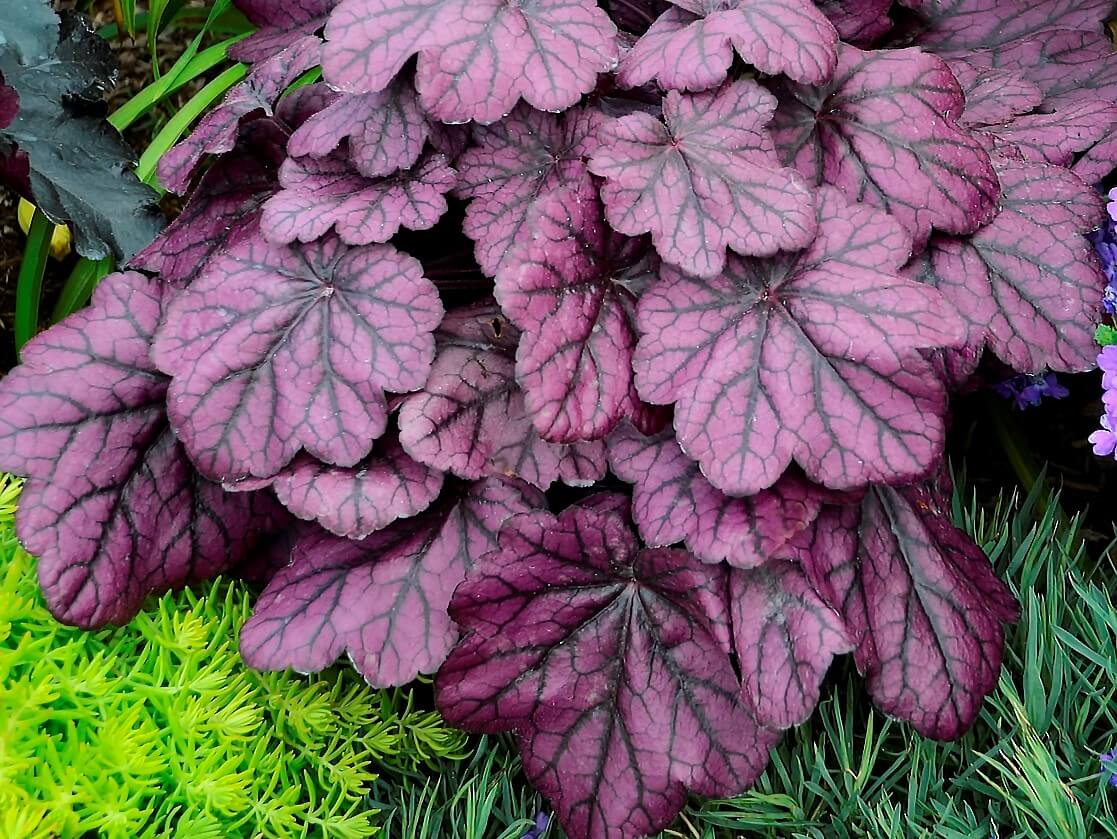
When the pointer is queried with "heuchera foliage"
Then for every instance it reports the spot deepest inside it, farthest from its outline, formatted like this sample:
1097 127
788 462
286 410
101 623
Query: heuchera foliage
715 267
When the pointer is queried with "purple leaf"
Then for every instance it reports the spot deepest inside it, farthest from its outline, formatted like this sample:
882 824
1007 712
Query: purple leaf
884 131
785 636
1056 137
574 362
381 600
223 205
527 155
859 22
324 193
9 104
357 500
386 130
1065 64
808 357
994 96
691 47
470 418
112 507
611 665
257 94
708 179
1027 284
275 349
672 502
281 23
475 61
921 602
962 25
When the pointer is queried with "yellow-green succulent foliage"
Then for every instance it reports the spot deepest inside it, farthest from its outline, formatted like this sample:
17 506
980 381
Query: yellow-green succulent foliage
157 729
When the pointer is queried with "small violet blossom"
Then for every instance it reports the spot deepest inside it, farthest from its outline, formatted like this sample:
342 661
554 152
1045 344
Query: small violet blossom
1104 439
1109 767
542 822
1028 389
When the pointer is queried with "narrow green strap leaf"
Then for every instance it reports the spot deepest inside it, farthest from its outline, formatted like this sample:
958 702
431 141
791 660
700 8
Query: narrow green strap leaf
29 286
79 286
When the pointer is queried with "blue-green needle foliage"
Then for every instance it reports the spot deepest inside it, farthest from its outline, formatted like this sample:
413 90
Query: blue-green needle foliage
1030 768
158 730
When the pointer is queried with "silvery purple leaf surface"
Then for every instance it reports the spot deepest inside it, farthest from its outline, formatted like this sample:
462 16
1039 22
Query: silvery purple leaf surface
476 59
808 357
257 94
859 22
512 164
320 194
275 349
1028 283
920 601
885 132
470 419
381 600
705 178
354 501
691 45
112 507
611 665
567 295
958 26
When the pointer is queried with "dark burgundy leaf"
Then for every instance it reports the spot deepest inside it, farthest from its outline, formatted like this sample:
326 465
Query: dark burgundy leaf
355 501
475 60
921 602
223 205
381 600
708 179
568 297
386 130
691 47
785 636
673 502
275 349
470 418
527 155
9 104
884 131
859 22
635 16
257 94
957 26
112 507
280 22
610 663
808 357
322 193
1027 284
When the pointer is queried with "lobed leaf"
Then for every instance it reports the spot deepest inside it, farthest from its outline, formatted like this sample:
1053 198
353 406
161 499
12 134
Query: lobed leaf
274 349
381 600
885 132
112 507
610 663
476 60
280 23
691 45
319 194
808 357
706 178
962 25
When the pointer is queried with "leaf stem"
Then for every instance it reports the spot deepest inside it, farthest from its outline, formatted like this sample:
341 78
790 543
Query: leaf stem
29 286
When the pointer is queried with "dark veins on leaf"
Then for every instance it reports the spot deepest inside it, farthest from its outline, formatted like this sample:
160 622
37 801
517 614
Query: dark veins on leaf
274 349
113 508
381 600
611 665
280 23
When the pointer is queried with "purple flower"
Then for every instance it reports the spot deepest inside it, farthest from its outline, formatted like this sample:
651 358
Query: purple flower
542 822
1104 439
1107 363
1028 389
1109 767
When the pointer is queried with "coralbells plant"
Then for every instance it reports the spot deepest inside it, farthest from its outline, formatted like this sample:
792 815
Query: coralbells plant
718 268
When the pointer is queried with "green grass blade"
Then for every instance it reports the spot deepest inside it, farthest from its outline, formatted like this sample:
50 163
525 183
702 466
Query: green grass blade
29 285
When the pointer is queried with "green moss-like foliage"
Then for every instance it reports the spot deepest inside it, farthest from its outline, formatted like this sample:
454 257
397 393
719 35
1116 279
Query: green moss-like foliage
158 730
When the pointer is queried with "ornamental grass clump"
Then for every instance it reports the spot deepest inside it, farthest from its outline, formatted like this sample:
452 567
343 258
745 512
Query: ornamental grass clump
718 267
